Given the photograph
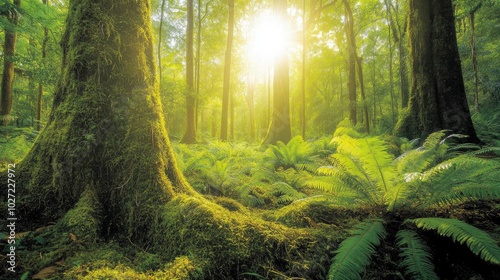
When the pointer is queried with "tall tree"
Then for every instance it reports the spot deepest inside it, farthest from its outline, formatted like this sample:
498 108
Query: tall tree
190 135
40 85
280 129
227 73
437 98
351 84
9 49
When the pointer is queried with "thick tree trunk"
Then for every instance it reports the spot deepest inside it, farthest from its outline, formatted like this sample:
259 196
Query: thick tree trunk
106 135
280 129
190 135
437 99
9 48
227 73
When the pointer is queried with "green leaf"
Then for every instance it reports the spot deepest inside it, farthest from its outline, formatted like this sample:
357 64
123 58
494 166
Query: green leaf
355 252
416 255
478 241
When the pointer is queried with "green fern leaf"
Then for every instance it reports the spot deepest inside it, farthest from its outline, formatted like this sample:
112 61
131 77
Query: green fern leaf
416 255
354 253
465 193
478 241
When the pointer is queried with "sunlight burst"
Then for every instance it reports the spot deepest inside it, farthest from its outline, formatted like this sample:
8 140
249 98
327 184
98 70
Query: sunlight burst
269 37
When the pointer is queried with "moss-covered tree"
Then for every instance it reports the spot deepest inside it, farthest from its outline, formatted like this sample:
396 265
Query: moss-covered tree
9 48
104 168
437 99
226 94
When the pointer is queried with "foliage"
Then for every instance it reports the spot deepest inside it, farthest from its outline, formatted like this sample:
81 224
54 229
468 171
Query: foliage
364 172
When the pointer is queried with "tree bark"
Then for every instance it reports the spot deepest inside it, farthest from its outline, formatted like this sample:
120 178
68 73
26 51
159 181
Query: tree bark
351 84
40 85
474 59
9 49
437 98
227 72
190 135
303 84
280 129
363 96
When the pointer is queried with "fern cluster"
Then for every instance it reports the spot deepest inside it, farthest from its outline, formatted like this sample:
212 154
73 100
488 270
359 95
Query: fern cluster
364 173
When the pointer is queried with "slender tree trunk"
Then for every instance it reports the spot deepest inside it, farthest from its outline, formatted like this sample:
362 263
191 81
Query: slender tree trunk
341 82
40 85
374 85
160 39
251 107
190 135
363 96
9 49
214 123
280 129
474 60
303 123
437 99
227 72
391 79
351 41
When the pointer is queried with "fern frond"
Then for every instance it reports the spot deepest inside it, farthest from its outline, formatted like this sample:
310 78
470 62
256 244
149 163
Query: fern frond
416 255
286 193
354 253
434 140
466 193
478 241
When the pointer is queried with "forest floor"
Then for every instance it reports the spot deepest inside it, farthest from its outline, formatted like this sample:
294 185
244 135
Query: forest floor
272 185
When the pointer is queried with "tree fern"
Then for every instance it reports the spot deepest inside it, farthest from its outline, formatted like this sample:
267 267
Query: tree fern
415 254
478 241
467 192
354 253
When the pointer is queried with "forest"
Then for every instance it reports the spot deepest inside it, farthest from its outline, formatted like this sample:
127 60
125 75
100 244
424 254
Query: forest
265 139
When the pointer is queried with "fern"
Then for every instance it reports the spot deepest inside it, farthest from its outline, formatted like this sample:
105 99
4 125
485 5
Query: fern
415 254
478 241
354 253
468 192
286 193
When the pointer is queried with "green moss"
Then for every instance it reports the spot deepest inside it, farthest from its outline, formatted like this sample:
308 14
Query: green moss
228 203
81 220
229 243
310 212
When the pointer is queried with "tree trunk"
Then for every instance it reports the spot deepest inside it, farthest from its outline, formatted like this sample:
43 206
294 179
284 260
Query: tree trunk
160 39
437 98
363 96
9 49
303 84
227 72
280 129
251 107
474 59
351 84
190 135
40 85
105 165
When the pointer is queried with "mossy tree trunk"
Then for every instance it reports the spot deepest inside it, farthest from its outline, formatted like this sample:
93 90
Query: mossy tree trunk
9 48
280 129
106 135
437 98
351 84
103 166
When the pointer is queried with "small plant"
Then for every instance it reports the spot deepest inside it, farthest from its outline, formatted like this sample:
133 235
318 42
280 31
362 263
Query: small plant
296 154
364 173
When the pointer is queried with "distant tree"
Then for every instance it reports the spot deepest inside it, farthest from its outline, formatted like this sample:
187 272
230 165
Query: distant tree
9 48
280 129
226 95
190 135
437 98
